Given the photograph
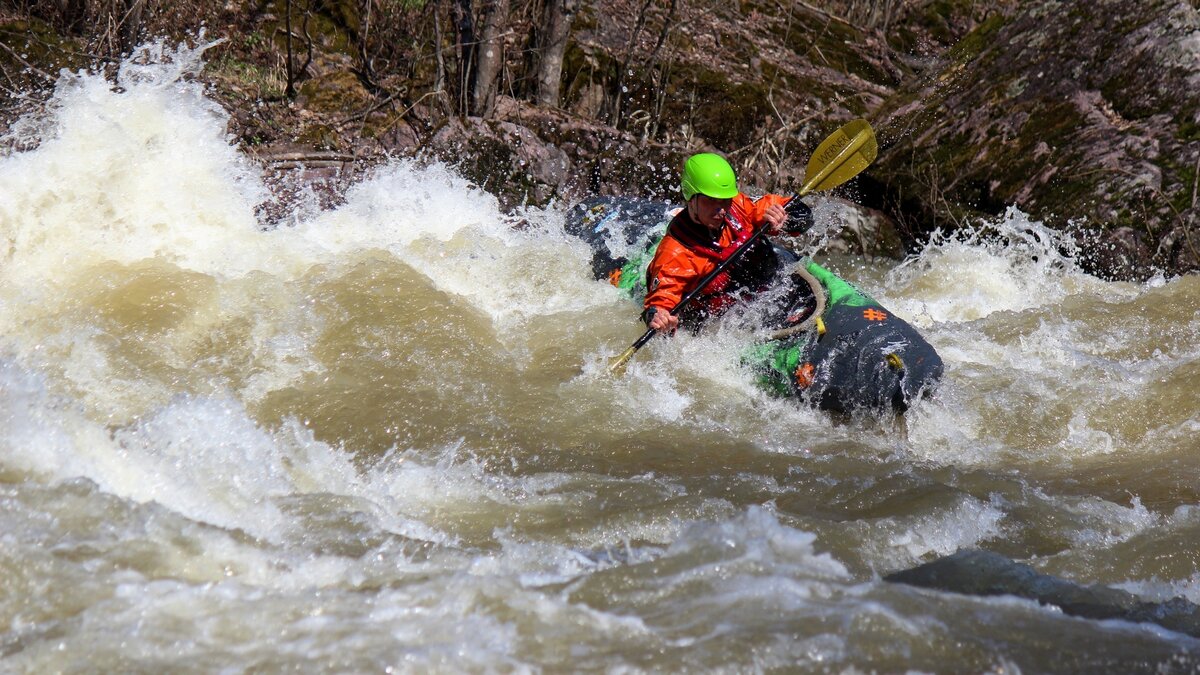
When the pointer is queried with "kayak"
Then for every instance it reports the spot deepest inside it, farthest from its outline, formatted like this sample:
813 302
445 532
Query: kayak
828 344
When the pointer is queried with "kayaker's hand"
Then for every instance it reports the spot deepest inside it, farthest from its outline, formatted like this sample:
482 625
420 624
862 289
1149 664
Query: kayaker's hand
664 321
775 217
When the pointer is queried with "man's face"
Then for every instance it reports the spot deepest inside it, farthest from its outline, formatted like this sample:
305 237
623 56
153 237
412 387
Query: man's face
710 212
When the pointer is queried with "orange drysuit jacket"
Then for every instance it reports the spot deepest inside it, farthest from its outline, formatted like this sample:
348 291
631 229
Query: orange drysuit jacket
687 254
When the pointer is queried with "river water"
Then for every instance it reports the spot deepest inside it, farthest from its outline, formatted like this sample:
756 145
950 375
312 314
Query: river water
380 437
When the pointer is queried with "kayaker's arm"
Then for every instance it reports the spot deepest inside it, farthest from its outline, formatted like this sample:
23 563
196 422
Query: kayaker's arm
667 279
784 215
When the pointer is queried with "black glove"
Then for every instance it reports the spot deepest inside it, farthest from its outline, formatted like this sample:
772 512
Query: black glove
800 217
648 314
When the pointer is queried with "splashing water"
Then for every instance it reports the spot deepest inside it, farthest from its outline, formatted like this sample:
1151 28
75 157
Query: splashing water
381 436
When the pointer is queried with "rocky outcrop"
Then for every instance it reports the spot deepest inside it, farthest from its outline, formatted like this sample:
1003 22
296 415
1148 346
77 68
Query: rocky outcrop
529 154
1083 113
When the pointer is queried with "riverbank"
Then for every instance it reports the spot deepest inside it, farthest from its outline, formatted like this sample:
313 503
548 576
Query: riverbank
954 89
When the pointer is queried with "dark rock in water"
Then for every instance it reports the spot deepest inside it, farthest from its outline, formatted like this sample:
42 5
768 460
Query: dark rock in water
984 573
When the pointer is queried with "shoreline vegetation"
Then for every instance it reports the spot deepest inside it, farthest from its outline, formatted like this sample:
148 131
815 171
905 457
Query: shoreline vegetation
1085 119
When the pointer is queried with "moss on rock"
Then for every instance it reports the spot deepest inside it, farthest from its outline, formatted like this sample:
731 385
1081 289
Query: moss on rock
339 92
1001 125
33 44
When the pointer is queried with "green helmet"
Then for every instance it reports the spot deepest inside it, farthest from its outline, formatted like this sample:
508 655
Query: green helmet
710 175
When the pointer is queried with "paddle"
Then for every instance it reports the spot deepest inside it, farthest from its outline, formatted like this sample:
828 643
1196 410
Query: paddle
838 158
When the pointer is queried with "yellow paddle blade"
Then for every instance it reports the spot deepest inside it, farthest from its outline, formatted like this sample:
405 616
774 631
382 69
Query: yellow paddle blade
618 364
841 157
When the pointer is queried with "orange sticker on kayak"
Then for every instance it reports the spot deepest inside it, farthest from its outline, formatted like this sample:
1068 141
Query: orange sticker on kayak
873 314
804 375
614 277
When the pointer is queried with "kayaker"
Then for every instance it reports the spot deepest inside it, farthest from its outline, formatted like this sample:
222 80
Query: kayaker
717 219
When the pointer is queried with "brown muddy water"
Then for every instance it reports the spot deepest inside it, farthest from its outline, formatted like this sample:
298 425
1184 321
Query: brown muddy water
381 438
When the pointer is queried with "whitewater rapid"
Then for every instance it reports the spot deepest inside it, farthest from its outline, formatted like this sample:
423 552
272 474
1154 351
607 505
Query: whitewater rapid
382 437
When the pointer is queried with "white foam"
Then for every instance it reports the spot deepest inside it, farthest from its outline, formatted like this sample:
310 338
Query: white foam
144 174
1101 524
758 536
128 174
1011 264
904 541
203 458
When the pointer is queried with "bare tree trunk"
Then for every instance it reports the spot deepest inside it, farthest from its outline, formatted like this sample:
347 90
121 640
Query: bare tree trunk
443 96
131 24
668 24
467 54
558 28
491 58
73 13
663 70
291 78
439 80
364 50
617 102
